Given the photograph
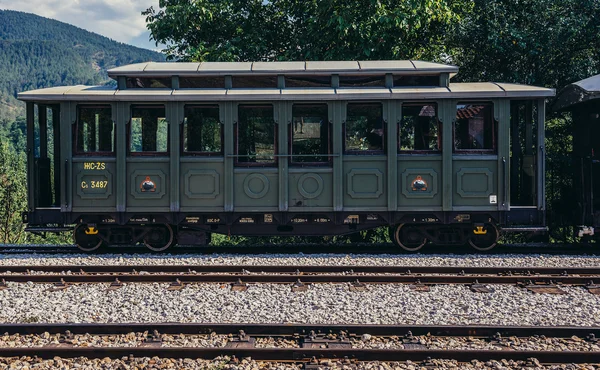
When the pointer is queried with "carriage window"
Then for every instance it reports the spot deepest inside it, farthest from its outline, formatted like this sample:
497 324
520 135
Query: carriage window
407 81
254 81
310 133
95 130
149 129
475 127
149 83
204 82
419 128
202 131
362 81
256 133
308 81
364 130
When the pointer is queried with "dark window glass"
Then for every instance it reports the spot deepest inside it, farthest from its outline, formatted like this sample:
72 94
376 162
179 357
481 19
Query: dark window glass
308 81
149 83
202 131
420 128
95 130
362 81
208 82
256 135
310 133
36 131
149 129
475 128
254 81
364 129
400 81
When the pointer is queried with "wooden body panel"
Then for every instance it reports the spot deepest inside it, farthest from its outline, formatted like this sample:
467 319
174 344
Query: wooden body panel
350 182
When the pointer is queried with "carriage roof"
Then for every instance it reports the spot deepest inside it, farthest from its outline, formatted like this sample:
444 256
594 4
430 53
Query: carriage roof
478 90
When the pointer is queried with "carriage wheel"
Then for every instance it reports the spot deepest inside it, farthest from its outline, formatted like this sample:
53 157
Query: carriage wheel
407 237
159 238
487 241
87 239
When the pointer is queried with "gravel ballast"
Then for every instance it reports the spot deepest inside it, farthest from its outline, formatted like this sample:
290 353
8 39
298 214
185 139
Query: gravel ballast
472 260
249 364
370 342
276 303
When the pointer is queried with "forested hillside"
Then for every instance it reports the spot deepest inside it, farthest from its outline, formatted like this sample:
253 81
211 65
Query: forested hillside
38 52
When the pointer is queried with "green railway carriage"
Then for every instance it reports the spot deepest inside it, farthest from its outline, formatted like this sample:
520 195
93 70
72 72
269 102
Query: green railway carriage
177 151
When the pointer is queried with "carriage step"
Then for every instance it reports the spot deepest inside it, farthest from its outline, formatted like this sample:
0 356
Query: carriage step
539 229
34 229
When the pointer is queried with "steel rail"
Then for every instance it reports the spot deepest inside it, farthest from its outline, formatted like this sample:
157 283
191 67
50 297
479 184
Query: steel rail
305 269
304 355
310 279
299 354
305 274
285 279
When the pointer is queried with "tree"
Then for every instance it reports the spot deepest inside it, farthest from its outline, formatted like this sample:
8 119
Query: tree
253 30
541 42
13 194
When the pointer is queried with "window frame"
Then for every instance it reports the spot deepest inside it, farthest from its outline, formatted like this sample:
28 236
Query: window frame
440 129
129 122
329 161
76 152
185 153
495 124
384 124
236 138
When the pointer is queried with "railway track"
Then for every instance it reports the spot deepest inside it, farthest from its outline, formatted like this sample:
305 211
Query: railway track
370 248
315 343
239 275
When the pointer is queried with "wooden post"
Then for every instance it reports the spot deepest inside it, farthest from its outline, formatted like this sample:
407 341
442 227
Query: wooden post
121 115
284 118
174 113
57 159
338 110
230 116
392 117
448 115
31 171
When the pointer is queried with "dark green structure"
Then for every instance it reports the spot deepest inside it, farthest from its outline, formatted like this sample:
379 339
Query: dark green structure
180 150
581 202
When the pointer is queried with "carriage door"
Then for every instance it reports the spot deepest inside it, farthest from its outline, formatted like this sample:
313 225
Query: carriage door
524 154
46 156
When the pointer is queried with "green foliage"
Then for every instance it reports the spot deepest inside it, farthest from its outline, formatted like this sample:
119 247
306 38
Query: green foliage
377 235
14 133
540 42
13 193
251 30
